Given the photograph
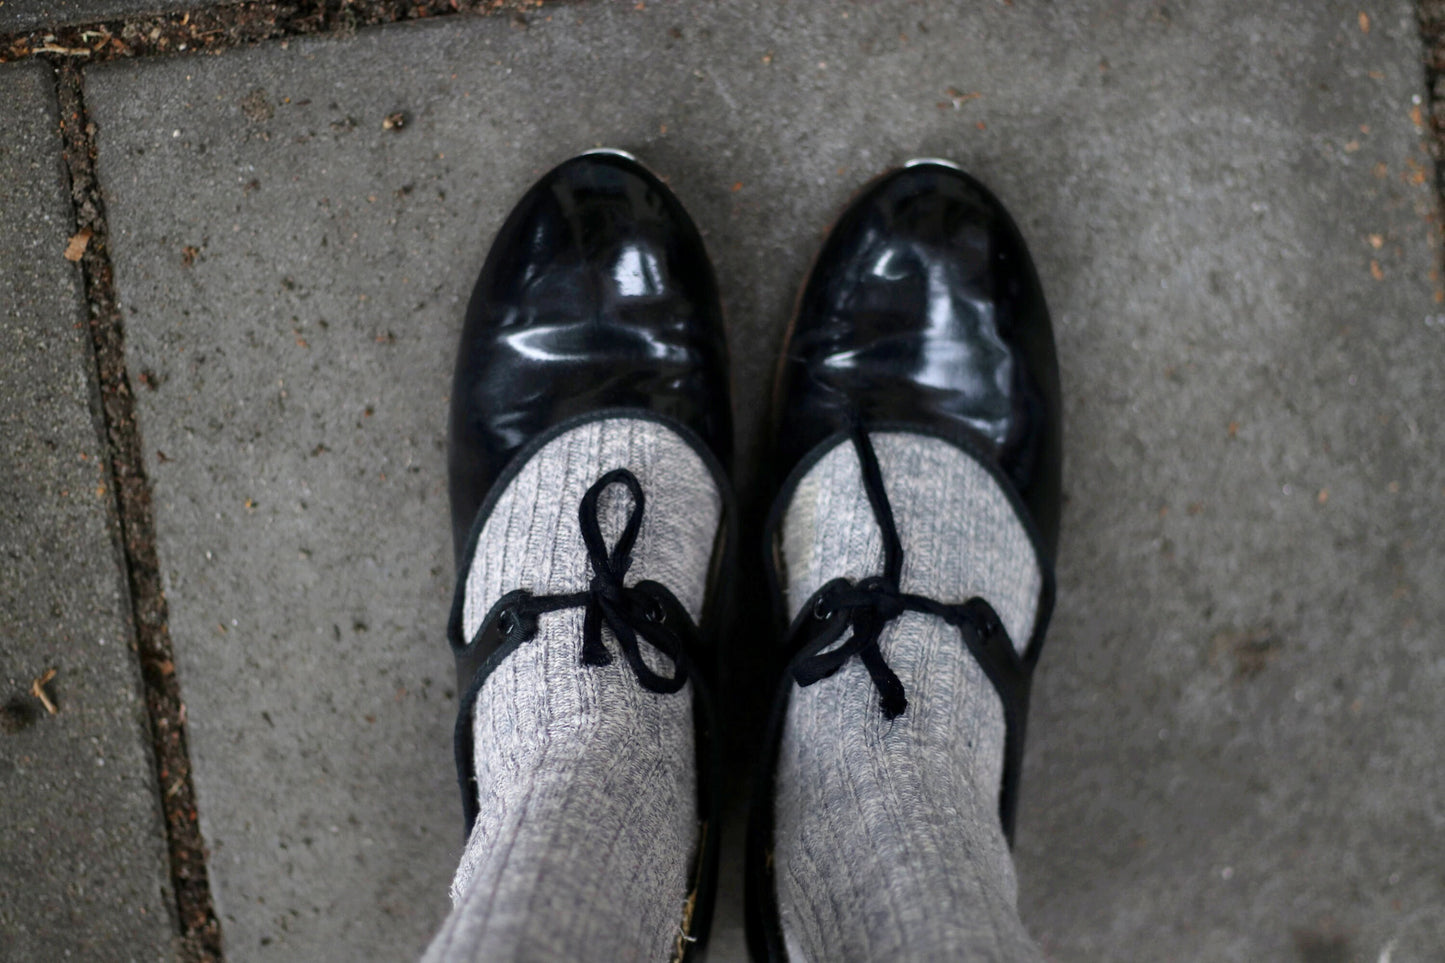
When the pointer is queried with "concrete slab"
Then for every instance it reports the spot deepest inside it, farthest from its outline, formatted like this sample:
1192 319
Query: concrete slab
1233 751
82 848
17 16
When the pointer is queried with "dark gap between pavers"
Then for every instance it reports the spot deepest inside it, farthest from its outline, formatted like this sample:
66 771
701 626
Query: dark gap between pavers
199 937
82 843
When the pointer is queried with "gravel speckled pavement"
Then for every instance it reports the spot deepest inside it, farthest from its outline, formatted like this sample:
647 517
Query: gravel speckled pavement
1234 750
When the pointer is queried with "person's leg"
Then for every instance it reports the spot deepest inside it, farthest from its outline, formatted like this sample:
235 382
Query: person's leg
888 840
589 436
910 548
587 826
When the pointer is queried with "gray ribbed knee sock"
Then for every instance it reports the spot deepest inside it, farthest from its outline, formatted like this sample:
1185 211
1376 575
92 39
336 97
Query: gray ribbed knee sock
587 780
887 837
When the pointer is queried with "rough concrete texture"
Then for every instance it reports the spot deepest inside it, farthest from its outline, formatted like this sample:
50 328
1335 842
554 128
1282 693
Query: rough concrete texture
83 868
1234 749
20 15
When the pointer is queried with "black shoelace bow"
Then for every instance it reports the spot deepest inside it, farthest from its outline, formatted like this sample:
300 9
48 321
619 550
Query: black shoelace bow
873 602
646 611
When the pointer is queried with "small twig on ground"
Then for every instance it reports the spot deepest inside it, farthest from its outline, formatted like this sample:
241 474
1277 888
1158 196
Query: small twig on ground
37 689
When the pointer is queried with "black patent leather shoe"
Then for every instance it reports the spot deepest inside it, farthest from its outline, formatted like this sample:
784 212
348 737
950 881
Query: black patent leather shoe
923 307
922 313
597 301
597 294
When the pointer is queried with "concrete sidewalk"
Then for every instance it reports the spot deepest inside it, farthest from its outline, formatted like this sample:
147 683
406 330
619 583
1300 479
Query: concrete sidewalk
1234 749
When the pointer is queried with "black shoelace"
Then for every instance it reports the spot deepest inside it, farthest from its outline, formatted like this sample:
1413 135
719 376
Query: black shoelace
646 611
873 602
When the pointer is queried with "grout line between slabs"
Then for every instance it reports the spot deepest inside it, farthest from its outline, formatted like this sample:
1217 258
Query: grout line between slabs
1431 17
211 29
200 931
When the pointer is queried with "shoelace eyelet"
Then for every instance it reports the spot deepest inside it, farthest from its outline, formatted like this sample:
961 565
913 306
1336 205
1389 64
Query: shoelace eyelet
507 621
654 612
822 611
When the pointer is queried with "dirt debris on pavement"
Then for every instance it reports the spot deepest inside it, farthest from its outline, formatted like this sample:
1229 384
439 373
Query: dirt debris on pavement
75 248
1432 29
218 28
